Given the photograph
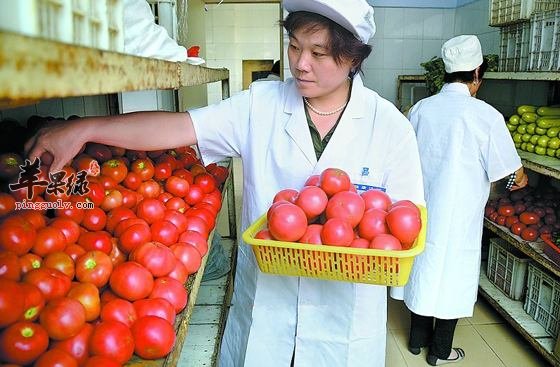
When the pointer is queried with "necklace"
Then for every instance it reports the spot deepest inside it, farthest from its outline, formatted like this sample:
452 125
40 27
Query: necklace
324 113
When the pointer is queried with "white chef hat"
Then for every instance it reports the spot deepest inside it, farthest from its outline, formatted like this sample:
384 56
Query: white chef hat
353 15
461 53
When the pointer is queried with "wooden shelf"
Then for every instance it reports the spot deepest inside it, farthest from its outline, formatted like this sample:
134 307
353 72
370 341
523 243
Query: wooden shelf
534 250
528 75
545 165
33 69
513 312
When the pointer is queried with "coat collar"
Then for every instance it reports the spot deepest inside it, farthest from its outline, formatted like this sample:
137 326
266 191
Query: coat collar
296 125
456 88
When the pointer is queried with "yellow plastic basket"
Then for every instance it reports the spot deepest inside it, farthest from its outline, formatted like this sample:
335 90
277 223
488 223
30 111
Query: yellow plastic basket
381 267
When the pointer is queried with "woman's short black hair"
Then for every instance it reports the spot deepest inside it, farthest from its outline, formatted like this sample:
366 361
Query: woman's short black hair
342 43
466 76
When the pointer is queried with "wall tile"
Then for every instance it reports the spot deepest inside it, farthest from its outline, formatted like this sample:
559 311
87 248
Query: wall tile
413 23
431 48
393 23
379 18
393 53
412 53
433 24
448 24
375 59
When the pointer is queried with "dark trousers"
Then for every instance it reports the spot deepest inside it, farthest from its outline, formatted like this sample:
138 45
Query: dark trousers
427 331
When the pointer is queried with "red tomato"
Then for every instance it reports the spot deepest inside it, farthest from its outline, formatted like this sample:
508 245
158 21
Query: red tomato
313 201
373 223
376 199
153 336
60 260
489 210
115 169
337 232
206 182
36 219
206 214
132 181
404 223
333 180
113 199
155 257
287 222
23 342
159 307
264 234
88 295
506 210
187 160
164 232
94 267
197 224
530 234
346 205
94 219
134 236
96 193
11 307
126 223
312 234
183 173
176 203
74 251
9 266
529 218
96 361
177 218
290 195
171 290
274 205
194 195
197 169
151 210
312 180
29 262
115 216
17 235
63 318
57 358
360 243
149 189
179 272
99 240
7 204
162 171
112 339
78 345
107 183
70 229
120 310
131 281
188 255
405 203
385 242
33 301
492 217
195 239
177 186
51 282
144 168
117 255
501 220
49 240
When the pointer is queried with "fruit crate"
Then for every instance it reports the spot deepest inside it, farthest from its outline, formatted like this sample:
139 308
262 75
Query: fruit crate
506 268
503 12
115 27
551 249
89 23
371 266
545 41
543 299
165 14
514 47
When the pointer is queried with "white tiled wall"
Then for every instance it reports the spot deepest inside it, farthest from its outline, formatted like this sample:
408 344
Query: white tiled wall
236 32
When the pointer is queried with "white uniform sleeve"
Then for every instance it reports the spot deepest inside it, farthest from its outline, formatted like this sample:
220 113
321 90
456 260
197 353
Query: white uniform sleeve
221 129
500 157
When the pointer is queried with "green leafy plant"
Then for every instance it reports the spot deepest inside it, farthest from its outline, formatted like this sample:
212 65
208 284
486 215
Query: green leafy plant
435 70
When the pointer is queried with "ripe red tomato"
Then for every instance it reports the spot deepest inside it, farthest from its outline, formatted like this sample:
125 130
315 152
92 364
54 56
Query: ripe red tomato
113 199
99 240
11 308
55 357
33 301
63 318
112 339
120 310
517 228
74 251
195 239
23 342
360 243
115 216
78 345
133 236
159 307
376 199
373 223
60 260
530 234
151 210
179 272
206 214
9 266
162 171
94 267
155 257
144 168
7 204
177 218
333 180
96 193
337 232
17 235
404 223
506 210
177 186
206 182
131 281
264 234
183 173
150 189
197 224
96 361
69 228
346 205
194 195
187 159
115 169
408 203
164 232
188 255
29 262
385 242
290 195
312 234
49 240
529 218
51 282
94 219
176 203
287 222
36 218
153 336
312 180
171 290
132 181
88 295
501 220
313 200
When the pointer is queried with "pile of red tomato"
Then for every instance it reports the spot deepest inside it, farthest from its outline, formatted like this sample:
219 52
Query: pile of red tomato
527 213
92 287
329 211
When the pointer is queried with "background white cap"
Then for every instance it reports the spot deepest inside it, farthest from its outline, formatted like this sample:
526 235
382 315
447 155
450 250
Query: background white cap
354 15
461 53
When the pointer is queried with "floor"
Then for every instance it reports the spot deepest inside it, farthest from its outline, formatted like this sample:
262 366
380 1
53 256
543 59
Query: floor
488 340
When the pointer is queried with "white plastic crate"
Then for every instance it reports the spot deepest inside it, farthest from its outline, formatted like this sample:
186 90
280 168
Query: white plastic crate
165 14
115 28
506 268
514 47
504 12
543 299
545 41
89 23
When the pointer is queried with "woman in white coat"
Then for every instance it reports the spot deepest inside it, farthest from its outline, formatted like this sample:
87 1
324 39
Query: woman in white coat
464 147
284 132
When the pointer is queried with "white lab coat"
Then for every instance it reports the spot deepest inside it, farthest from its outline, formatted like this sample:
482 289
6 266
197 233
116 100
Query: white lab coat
464 146
328 323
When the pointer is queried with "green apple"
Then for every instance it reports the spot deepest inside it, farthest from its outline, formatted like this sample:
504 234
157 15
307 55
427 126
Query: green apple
526 137
522 129
554 143
511 127
552 132
517 138
531 128
543 141
534 139
514 120
523 146
551 152
540 130
540 150
530 147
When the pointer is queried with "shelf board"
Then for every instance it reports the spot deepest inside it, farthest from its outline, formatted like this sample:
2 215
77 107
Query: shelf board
528 75
545 165
514 313
532 249
33 69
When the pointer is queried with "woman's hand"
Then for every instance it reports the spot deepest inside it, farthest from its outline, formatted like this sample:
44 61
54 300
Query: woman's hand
62 140
521 180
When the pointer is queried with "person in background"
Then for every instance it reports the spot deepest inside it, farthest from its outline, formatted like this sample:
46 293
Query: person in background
285 132
464 146
274 73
